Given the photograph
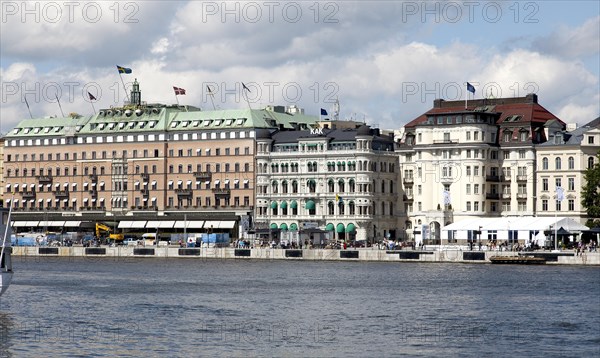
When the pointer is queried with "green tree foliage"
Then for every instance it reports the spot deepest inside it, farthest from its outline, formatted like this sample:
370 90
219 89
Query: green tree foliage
590 194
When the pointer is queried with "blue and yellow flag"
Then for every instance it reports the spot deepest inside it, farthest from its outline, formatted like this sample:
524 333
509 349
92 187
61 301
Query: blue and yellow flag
123 69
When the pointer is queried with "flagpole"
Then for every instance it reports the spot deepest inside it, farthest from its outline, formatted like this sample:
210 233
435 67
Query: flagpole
177 99
27 103
59 106
124 88
93 108
244 89
467 95
212 100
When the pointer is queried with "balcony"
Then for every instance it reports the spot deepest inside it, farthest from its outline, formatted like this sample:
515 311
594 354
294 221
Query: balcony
495 178
203 175
222 192
408 180
505 177
145 177
145 192
93 177
493 196
408 197
183 192
521 178
44 178
28 194
506 196
522 196
61 193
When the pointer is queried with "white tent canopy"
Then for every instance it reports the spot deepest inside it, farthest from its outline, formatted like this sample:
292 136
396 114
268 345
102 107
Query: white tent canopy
519 229
516 223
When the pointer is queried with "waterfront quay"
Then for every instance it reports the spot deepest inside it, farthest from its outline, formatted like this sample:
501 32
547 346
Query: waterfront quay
434 254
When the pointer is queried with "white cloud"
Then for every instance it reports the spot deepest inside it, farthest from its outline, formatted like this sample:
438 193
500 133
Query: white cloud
572 42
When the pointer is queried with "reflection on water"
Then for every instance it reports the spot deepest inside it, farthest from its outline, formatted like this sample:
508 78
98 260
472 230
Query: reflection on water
180 307
6 333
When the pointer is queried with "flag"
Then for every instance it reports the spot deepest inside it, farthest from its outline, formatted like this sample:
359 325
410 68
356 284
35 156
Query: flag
209 91
178 91
338 199
470 88
446 196
323 112
560 193
246 88
123 69
91 97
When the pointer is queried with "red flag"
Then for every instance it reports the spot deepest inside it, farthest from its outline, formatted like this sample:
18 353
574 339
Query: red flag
178 91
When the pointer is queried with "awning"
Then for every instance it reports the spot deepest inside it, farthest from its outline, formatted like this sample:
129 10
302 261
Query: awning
179 182
329 227
72 223
152 224
219 224
56 223
32 223
273 226
226 224
246 181
124 224
189 182
350 228
19 224
283 205
294 204
340 228
226 181
138 224
166 224
273 205
189 224
283 226
293 227
217 182
310 205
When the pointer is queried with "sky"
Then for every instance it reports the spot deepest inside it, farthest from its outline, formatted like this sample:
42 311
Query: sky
384 61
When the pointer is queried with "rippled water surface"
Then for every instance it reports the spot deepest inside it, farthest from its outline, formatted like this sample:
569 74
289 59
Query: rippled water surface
238 308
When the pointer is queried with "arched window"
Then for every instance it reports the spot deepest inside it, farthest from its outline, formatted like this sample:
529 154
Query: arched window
590 162
295 187
545 163
330 208
284 187
330 186
274 187
557 163
352 208
571 163
351 186
341 186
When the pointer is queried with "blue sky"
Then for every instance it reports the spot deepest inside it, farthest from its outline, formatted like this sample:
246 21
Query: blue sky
386 61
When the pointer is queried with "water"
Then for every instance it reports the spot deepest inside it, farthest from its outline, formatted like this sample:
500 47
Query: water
132 307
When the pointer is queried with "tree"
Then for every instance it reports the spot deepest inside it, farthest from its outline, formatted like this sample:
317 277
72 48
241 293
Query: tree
590 193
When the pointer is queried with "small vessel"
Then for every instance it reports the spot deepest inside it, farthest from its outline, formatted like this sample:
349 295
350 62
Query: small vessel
518 260
6 271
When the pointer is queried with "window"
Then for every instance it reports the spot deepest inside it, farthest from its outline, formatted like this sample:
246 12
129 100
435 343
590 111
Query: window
590 162
468 206
476 173
558 205
468 189
557 163
475 206
521 154
590 140
571 183
476 189
468 170
544 184
571 163
558 182
468 135
545 163
506 154
571 205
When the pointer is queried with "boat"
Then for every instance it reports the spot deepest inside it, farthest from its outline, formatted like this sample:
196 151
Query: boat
518 260
6 271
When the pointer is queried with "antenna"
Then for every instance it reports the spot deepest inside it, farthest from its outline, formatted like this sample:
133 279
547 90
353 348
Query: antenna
336 109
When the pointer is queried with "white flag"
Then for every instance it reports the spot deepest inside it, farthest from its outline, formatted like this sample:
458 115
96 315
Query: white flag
560 193
446 196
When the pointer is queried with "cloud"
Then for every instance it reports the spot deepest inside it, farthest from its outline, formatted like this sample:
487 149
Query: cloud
571 43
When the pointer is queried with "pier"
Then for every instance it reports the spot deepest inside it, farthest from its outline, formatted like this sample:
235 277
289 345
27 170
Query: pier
358 255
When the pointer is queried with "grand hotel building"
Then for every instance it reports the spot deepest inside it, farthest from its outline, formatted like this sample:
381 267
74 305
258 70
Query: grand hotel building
143 166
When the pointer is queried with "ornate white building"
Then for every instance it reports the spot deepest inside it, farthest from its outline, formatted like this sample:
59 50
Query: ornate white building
341 177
